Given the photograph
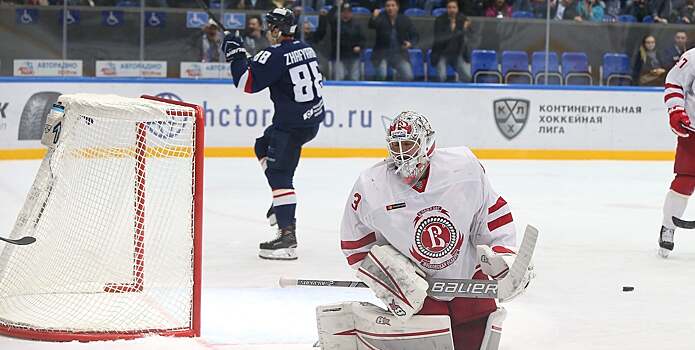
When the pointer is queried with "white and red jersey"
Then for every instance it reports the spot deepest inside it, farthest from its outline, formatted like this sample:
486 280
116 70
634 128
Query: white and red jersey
437 223
679 90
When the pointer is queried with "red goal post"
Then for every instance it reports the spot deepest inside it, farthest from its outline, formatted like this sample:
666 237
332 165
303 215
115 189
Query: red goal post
116 209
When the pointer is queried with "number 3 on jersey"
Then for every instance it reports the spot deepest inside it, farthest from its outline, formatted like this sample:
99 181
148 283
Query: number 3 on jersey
305 82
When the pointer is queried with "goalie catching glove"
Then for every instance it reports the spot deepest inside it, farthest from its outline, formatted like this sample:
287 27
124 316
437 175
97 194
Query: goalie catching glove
495 262
395 280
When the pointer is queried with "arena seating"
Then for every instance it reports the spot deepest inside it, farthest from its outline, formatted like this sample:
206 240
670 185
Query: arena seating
538 68
484 67
515 68
576 69
438 11
615 69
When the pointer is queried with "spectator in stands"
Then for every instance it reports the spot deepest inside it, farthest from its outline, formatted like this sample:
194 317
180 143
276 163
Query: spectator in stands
591 10
536 7
647 70
449 47
614 7
370 4
564 10
670 56
474 8
352 40
665 11
255 39
639 9
395 34
212 41
498 8
687 12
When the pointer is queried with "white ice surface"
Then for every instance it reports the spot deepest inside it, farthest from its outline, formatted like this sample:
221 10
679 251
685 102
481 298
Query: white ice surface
598 220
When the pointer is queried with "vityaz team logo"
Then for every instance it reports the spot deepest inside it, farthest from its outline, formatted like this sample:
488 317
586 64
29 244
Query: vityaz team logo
437 243
511 115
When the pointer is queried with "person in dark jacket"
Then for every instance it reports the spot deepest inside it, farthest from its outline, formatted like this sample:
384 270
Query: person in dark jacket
352 41
639 9
395 34
449 42
672 54
564 10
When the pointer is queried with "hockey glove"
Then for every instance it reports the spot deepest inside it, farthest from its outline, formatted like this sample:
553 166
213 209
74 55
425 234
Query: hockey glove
395 280
233 47
495 262
678 118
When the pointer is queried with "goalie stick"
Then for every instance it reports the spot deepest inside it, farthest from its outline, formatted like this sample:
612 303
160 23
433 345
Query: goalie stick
466 288
683 223
22 241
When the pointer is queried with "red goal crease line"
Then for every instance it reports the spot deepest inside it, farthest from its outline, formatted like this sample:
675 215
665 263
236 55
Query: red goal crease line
326 152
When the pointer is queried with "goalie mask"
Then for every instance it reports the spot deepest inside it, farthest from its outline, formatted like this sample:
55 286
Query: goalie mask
410 141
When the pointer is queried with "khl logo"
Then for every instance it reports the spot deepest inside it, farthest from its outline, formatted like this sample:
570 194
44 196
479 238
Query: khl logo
3 107
171 128
511 115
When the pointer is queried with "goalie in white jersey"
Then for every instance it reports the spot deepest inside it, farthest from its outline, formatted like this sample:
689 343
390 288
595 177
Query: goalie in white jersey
417 215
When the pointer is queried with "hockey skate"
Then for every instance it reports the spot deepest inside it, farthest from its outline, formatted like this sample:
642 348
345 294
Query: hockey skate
282 247
665 241
270 215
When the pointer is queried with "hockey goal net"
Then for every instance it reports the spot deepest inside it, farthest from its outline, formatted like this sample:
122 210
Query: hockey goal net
116 210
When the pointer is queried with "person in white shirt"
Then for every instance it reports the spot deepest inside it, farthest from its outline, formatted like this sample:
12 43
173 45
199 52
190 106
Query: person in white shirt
679 98
421 214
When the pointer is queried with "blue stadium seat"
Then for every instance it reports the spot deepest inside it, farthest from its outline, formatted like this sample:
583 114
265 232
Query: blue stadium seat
432 69
522 14
308 9
484 67
538 68
627 18
415 12
515 68
438 11
368 71
616 69
648 19
127 3
327 8
575 68
359 10
417 61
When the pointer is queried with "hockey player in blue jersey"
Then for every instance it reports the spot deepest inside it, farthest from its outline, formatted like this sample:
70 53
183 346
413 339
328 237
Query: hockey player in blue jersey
290 69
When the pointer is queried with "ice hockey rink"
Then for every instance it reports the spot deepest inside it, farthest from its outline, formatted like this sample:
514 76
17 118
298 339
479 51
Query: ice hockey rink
598 224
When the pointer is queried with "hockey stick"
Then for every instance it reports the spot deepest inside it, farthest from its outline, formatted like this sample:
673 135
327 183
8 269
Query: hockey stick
467 288
688 127
205 8
683 223
22 241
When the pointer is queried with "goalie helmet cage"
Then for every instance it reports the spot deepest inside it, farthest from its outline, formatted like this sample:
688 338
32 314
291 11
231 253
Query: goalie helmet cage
116 208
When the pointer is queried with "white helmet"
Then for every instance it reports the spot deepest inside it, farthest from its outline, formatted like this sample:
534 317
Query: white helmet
410 141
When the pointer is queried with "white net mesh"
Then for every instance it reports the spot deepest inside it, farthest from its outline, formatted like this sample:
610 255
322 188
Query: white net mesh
112 209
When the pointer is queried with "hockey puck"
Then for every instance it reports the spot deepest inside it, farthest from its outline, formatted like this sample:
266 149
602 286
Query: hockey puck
628 289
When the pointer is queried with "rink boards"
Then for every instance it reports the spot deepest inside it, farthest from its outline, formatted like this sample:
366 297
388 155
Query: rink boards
497 121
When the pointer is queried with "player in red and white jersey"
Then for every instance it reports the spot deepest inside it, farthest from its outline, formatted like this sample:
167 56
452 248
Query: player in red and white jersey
679 98
424 213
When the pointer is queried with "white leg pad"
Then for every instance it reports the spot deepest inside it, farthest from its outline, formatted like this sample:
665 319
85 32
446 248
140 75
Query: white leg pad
365 326
493 330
